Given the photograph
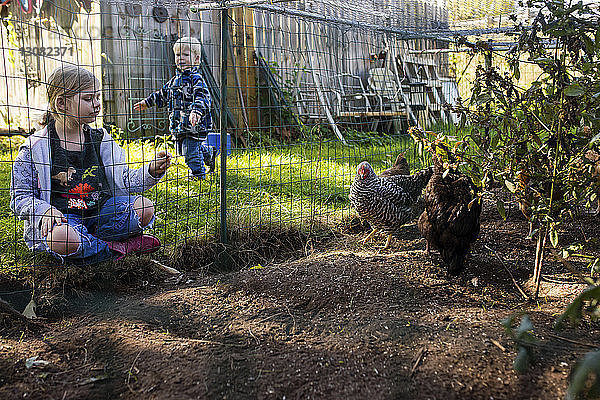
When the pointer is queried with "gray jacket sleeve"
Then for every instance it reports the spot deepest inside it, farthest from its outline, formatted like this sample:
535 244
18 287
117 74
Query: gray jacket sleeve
25 198
138 180
126 180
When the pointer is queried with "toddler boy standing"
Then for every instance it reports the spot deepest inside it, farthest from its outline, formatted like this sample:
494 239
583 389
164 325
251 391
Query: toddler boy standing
187 97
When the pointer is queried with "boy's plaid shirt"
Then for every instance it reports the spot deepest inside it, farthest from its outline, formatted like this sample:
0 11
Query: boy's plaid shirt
185 92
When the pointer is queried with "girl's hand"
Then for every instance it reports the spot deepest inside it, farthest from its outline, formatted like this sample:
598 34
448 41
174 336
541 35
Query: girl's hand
140 106
49 219
194 118
159 165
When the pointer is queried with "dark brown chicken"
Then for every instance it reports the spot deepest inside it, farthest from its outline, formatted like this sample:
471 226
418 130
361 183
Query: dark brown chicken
400 167
451 220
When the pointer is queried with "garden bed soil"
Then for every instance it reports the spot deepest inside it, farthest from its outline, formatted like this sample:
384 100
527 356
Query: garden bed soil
342 320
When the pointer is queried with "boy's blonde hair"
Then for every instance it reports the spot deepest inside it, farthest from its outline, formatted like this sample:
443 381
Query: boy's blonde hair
67 80
191 43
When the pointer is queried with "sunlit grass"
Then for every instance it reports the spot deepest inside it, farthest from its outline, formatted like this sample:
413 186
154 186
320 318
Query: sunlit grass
294 185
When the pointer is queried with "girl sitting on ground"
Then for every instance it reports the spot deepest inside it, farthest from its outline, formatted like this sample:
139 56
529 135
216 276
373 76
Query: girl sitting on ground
71 184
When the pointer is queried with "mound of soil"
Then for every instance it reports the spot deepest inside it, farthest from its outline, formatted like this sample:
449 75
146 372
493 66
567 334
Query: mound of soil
344 321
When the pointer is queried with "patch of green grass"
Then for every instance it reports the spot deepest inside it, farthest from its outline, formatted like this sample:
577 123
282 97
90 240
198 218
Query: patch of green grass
297 185
13 250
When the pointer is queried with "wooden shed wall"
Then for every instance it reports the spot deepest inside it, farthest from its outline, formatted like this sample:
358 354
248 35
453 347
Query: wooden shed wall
295 45
132 53
46 46
141 58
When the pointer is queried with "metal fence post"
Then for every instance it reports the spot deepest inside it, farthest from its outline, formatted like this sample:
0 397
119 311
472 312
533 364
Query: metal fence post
223 120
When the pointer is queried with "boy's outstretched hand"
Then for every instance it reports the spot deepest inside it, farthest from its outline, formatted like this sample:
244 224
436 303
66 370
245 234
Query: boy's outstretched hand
159 165
140 106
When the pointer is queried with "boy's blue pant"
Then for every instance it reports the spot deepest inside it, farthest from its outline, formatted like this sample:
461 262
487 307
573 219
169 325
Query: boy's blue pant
195 153
117 220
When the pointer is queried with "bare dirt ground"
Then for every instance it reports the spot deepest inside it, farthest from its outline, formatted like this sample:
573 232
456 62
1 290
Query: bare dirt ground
341 321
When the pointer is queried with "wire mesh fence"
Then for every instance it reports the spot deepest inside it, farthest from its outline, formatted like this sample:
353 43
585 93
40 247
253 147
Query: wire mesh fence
300 92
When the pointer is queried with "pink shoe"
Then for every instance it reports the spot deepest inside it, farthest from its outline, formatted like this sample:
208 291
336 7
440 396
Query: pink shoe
135 245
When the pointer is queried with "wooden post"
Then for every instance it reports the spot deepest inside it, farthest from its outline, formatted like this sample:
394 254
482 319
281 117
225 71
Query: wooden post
223 123
245 63
233 100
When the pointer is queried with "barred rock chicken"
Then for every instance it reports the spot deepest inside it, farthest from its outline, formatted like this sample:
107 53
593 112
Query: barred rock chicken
400 167
390 202
450 222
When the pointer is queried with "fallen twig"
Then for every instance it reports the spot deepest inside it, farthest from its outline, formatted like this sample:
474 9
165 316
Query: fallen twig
293 319
269 317
592 346
418 358
509 273
558 281
202 341
130 372
254 337
568 266
165 268
93 379
498 345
